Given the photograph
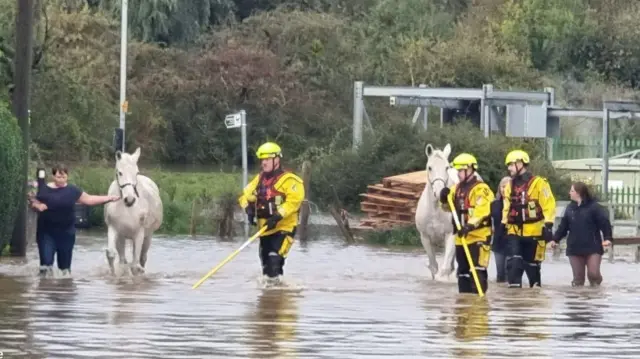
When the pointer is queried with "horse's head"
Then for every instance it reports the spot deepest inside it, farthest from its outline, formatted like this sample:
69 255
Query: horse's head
438 168
127 176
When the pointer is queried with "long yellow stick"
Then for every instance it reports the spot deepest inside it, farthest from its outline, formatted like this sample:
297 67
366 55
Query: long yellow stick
230 257
466 248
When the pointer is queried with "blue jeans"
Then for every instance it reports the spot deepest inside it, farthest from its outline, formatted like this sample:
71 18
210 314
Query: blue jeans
58 243
501 267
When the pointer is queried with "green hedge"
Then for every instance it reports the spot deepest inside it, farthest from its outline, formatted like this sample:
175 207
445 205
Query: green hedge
399 148
11 178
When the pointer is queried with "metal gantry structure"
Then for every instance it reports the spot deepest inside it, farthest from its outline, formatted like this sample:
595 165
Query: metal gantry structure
527 114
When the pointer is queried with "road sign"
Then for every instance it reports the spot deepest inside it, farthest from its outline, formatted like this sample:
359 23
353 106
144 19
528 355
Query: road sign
233 121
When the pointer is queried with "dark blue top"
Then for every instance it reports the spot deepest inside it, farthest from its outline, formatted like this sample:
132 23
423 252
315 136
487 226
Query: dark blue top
60 213
499 242
584 223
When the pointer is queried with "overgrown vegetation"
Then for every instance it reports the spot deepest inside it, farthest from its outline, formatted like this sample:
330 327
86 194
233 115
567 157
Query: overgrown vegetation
194 202
11 178
400 148
291 66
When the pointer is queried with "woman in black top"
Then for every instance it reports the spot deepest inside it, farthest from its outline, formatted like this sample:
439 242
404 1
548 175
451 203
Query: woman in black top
499 242
56 233
584 219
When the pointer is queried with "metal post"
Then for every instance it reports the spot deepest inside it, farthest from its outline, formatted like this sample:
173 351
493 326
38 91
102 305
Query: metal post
21 103
552 96
358 110
425 111
245 170
550 103
123 65
605 154
484 107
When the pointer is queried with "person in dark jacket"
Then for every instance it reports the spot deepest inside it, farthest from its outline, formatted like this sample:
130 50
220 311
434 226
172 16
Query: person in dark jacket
589 229
56 233
499 241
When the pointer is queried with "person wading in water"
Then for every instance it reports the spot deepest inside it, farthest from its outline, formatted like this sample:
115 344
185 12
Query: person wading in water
274 198
56 234
589 229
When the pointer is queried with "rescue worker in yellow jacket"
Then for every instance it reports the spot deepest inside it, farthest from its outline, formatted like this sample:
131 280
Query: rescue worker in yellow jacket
528 214
273 197
472 200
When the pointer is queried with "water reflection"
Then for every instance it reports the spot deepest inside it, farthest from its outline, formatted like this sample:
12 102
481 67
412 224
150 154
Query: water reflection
273 324
128 297
358 302
580 311
524 313
471 315
17 338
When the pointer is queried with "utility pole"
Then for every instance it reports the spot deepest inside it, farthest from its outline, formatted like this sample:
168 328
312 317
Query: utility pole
21 103
124 104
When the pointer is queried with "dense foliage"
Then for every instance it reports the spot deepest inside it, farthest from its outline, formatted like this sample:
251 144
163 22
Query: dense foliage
291 65
11 179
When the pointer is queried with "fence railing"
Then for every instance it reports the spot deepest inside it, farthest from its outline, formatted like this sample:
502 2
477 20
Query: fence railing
625 200
571 148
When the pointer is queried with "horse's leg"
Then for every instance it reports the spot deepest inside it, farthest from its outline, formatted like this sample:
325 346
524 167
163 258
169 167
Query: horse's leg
120 246
428 247
145 248
449 256
111 248
138 240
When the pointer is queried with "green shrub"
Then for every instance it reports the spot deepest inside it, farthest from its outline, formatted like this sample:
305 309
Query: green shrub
178 191
400 236
12 180
400 148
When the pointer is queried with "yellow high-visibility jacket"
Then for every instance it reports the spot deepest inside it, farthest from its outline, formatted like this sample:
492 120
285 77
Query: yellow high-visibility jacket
292 188
477 202
539 208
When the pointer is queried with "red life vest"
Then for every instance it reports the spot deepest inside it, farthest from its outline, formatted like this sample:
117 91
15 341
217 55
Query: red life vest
463 204
268 197
523 209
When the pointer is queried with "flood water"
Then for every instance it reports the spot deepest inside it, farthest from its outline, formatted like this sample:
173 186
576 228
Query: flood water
339 302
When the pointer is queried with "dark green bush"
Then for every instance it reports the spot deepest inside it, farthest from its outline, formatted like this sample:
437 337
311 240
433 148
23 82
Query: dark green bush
400 148
12 180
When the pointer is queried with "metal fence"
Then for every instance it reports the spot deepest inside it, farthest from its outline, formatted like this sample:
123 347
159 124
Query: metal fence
571 148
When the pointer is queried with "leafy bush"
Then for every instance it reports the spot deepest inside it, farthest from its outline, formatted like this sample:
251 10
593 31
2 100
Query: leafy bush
400 148
12 180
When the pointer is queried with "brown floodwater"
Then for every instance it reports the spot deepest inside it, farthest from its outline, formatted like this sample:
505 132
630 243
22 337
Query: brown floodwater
338 301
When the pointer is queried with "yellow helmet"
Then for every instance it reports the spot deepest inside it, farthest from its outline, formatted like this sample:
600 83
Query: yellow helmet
269 150
516 155
464 160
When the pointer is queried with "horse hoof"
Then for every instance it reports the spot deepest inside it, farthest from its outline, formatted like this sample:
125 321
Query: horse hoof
434 271
137 269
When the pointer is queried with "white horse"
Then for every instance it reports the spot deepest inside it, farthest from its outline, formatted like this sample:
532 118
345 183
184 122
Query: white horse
135 216
432 222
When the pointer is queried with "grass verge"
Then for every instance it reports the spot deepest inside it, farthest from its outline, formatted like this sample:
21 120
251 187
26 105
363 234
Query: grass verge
194 202
399 236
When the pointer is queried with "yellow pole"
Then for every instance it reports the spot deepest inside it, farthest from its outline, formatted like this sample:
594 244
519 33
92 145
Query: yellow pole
466 247
230 257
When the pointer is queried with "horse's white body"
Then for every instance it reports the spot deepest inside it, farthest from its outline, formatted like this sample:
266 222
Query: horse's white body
136 216
432 222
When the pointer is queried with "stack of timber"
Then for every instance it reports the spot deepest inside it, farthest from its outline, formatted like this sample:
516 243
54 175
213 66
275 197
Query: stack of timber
393 202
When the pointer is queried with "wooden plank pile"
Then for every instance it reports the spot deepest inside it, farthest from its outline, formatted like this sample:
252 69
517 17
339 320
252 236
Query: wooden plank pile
393 202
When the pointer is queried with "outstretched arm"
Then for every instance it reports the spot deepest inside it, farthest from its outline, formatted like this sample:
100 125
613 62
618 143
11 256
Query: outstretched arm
93 200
